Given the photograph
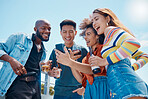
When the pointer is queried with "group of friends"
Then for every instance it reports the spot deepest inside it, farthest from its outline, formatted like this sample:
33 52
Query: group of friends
112 44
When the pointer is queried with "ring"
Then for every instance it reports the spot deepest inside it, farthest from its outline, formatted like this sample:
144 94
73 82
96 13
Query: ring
58 53
18 71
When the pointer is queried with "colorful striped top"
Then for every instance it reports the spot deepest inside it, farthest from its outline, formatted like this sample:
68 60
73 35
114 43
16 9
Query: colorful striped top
141 59
118 45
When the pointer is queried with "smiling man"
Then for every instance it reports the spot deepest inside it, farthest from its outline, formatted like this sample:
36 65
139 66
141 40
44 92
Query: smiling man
67 82
21 54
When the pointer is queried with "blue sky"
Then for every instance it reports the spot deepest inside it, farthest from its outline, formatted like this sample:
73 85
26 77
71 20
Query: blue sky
20 16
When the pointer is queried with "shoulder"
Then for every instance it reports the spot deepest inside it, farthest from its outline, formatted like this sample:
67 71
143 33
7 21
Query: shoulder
111 29
81 47
19 36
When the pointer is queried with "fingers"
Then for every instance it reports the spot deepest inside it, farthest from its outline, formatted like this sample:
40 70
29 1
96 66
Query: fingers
75 90
24 70
65 49
76 52
56 71
17 72
76 57
70 50
49 62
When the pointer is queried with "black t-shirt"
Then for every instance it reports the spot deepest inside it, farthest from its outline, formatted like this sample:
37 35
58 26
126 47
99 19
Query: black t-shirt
32 64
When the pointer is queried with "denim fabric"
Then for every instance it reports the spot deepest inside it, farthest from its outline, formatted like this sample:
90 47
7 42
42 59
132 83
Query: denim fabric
17 46
98 90
124 82
73 96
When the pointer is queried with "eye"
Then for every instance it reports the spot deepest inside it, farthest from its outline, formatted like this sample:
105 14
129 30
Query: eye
49 29
96 19
64 31
88 33
43 28
71 31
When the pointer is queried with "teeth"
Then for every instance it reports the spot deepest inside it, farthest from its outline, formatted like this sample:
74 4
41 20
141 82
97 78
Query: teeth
67 38
45 34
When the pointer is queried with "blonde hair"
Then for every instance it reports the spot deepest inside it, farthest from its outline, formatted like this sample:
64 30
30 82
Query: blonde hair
114 21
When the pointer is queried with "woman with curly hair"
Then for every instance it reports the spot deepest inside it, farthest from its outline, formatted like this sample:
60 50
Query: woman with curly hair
95 84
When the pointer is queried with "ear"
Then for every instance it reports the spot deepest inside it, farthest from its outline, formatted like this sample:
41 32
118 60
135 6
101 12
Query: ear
61 32
35 29
108 19
75 32
97 36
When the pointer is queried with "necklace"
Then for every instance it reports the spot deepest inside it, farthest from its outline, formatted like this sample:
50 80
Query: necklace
38 46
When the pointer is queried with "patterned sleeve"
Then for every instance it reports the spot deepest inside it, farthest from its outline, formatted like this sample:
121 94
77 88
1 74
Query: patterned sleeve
126 43
141 59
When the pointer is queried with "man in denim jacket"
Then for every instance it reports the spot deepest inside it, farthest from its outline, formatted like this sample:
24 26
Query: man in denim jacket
20 74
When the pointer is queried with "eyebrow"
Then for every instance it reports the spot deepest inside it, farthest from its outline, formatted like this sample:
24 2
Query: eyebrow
96 17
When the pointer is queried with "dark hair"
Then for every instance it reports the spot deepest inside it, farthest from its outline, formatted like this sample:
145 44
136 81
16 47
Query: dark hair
68 22
86 23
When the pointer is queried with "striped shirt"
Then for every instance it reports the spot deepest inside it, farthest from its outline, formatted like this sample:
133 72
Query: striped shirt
118 45
141 59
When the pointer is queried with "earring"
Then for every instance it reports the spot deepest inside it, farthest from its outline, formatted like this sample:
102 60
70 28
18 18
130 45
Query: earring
107 24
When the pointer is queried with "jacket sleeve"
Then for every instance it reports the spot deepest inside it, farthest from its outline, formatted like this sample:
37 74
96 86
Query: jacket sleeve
7 47
141 59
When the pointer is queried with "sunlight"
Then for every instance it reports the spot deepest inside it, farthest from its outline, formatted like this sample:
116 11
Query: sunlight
137 11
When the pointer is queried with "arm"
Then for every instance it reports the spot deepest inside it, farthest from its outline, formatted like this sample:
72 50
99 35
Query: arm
64 58
141 59
127 45
5 50
77 75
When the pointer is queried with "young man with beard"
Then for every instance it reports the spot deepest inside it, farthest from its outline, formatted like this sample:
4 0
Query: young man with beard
20 75
66 84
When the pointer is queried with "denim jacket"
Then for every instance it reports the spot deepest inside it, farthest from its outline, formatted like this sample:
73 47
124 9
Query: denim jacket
19 47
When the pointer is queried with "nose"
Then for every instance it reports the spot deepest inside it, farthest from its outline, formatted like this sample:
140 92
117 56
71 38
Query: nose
67 34
94 24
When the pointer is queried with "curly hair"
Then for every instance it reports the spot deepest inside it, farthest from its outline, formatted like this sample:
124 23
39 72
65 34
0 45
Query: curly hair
87 23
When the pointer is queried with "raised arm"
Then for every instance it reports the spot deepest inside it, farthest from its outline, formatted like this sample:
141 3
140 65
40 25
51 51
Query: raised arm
64 58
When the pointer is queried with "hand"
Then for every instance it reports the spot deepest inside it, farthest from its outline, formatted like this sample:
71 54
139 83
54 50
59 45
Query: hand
80 91
54 72
45 66
97 61
17 67
72 54
63 58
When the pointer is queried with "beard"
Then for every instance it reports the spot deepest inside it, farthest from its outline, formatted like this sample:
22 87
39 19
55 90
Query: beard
40 36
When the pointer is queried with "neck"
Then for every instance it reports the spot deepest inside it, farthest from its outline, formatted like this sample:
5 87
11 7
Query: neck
69 45
94 46
37 40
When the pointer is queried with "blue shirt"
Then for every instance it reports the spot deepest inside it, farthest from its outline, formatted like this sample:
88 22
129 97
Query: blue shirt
67 82
19 47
